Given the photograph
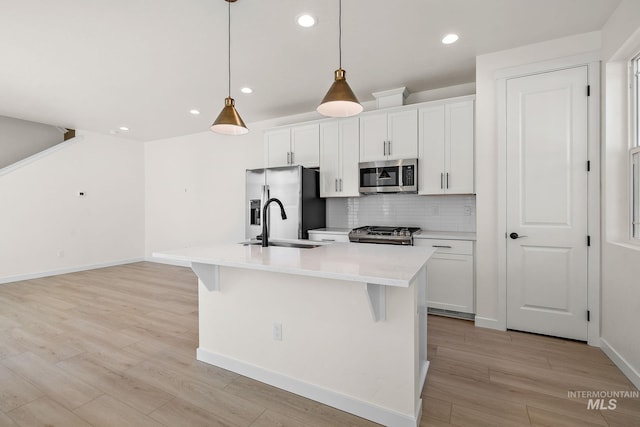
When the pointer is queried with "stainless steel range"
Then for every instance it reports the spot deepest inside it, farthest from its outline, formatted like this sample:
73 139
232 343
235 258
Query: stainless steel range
383 234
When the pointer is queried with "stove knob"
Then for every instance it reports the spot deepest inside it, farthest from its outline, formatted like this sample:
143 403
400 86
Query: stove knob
395 232
407 233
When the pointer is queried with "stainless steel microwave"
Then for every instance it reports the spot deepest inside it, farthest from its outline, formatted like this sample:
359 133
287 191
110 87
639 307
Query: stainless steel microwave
389 176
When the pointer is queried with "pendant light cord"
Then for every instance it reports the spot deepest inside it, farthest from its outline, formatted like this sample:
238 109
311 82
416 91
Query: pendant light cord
340 33
229 44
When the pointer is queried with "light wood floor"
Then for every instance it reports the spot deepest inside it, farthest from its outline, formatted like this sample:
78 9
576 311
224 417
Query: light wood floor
116 347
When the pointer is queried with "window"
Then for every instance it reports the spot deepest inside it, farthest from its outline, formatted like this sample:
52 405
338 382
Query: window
634 152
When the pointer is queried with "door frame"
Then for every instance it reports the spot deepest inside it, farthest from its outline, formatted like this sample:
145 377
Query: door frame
592 62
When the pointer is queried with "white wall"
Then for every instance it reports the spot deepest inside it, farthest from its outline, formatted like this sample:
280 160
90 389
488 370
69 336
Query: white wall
46 228
489 313
620 261
195 187
20 139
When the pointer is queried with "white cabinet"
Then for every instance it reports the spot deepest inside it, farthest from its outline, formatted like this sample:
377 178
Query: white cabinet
450 275
298 145
328 236
389 135
446 148
339 158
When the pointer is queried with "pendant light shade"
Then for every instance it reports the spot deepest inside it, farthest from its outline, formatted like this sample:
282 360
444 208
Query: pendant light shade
340 101
228 121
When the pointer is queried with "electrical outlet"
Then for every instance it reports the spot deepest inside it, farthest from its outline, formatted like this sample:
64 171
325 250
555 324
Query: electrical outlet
277 331
467 210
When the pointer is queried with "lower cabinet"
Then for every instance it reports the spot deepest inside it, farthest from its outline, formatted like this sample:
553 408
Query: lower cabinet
450 275
327 236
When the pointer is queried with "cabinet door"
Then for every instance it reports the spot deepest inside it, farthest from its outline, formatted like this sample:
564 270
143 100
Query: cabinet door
431 150
349 156
450 282
459 163
278 146
329 158
328 237
402 135
373 137
305 142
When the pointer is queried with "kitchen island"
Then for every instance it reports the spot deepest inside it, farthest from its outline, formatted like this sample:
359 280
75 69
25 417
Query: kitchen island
343 324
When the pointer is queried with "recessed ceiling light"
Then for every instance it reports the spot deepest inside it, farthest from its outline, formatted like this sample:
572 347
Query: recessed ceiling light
305 20
246 90
124 128
194 112
450 38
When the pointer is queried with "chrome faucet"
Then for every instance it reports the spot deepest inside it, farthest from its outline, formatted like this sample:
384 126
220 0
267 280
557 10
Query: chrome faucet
265 230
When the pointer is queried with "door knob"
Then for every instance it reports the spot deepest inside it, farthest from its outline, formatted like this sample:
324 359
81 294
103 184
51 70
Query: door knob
515 236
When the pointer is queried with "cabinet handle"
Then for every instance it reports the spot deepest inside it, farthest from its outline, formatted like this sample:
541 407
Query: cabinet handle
442 246
341 185
328 240
389 150
384 148
292 153
442 181
447 179
288 157
336 184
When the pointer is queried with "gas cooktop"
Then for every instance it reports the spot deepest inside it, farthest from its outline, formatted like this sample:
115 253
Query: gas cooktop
383 234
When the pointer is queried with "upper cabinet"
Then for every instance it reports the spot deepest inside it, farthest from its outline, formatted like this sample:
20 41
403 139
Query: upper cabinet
389 135
297 145
339 158
446 148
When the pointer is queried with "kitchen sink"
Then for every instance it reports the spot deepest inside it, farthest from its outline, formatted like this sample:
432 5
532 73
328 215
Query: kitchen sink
299 245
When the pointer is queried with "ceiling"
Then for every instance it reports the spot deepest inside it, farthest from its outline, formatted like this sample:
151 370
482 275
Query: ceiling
98 65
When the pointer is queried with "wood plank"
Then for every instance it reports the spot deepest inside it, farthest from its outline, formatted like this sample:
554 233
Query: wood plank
15 391
46 412
106 411
178 412
51 380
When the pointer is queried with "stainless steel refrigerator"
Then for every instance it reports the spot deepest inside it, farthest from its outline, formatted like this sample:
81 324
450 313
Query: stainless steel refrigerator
298 189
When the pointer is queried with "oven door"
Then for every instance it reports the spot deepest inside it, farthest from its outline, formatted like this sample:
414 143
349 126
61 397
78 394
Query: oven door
394 176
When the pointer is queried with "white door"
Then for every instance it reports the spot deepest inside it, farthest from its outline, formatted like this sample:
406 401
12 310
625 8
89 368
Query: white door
329 159
431 155
373 137
305 145
349 155
458 163
546 157
402 135
278 145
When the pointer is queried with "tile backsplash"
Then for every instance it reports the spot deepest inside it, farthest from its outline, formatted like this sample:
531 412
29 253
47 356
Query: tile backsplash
435 213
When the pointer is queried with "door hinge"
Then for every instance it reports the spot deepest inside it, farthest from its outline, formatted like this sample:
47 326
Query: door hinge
588 315
588 165
588 90
588 240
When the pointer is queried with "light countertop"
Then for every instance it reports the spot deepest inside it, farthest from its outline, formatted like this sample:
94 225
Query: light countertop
387 265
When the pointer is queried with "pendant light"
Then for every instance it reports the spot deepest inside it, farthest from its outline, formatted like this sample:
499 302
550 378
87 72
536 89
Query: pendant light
229 121
340 101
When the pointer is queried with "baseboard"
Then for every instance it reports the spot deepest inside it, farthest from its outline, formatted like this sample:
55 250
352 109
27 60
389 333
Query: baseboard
337 400
485 322
168 261
31 276
629 371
